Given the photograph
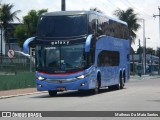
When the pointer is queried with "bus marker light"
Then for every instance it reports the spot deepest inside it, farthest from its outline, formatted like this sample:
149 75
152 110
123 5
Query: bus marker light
82 84
39 85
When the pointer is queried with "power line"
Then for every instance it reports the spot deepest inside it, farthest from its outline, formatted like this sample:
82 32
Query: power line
143 13
113 4
124 3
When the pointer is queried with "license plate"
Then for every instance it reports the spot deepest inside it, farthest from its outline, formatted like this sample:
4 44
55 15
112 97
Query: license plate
61 88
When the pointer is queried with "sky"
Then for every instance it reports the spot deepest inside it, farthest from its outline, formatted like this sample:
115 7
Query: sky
144 8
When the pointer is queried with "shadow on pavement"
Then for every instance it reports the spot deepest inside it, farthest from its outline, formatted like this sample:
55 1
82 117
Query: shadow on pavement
84 93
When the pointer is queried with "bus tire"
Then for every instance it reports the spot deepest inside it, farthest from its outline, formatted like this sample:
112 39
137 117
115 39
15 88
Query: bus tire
98 84
122 81
118 86
114 87
52 93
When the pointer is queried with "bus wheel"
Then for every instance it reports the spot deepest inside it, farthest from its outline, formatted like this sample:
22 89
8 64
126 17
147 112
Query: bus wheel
52 93
118 86
97 87
121 82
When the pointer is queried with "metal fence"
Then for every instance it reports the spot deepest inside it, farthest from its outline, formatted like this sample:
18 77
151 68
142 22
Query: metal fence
15 64
16 72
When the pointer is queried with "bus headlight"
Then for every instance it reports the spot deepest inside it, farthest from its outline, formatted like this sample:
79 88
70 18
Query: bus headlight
40 78
81 76
85 75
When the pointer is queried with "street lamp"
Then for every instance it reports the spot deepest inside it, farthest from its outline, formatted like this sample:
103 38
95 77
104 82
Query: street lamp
1 43
159 36
145 55
144 44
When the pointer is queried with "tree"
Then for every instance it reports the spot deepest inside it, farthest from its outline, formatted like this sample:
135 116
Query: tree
29 26
96 9
139 50
150 51
21 33
158 52
131 18
6 17
31 20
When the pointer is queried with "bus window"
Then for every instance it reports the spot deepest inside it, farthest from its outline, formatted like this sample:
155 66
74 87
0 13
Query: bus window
108 58
62 26
39 57
93 24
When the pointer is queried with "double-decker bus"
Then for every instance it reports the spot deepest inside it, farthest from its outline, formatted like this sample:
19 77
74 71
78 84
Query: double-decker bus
80 50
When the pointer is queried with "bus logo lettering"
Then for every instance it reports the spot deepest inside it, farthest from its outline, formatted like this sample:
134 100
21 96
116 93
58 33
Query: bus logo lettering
60 43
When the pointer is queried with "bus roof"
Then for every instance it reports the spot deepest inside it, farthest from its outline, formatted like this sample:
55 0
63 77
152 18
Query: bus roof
63 13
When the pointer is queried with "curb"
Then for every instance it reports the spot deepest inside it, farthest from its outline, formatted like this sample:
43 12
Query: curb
155 77
143 77
10 96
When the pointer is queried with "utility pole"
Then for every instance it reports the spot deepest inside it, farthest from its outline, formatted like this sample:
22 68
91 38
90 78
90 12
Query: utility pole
63 5
159 36
1 43
140 54
144 46
145 55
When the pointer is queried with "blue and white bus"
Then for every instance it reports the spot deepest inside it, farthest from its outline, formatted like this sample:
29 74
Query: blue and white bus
80 50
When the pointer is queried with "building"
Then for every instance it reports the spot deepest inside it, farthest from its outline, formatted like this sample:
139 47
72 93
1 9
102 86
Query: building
152 63
13 41
2 42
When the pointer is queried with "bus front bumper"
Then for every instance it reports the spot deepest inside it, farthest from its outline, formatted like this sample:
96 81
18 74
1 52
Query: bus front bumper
81 84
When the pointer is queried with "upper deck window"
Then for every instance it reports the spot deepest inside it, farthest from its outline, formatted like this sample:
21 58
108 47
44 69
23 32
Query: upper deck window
62 26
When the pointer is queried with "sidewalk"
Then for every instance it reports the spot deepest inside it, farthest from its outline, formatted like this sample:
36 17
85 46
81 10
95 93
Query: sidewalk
16 92
136 77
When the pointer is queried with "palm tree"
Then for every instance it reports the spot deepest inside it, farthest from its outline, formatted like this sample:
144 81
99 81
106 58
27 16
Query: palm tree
6 17
131 18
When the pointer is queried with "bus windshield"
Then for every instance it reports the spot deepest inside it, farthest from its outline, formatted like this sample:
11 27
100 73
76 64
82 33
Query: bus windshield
58 59
62 26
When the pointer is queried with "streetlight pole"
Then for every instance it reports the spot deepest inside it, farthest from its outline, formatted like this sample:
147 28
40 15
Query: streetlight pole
145 55
1 43
63 5
144 46
159 37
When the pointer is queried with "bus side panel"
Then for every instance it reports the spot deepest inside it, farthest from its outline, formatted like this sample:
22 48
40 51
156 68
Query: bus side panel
110 74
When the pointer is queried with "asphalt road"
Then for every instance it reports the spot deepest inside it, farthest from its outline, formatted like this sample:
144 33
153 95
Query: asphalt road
138 95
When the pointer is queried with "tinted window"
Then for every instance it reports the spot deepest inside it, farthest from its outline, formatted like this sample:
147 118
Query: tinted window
117 30
55 59
108 58
112 28
62 26
93 24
